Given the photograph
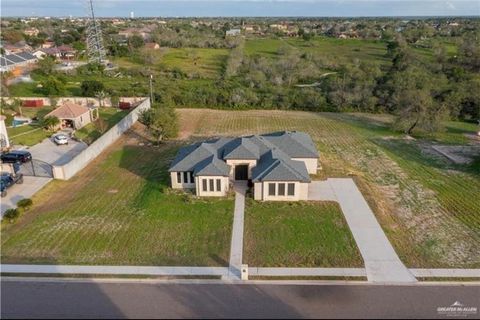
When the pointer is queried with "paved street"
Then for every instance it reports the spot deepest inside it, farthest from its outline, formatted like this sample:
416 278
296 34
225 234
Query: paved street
113 299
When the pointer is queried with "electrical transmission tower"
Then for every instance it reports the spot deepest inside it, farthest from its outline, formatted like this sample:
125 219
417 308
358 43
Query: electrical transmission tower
95 49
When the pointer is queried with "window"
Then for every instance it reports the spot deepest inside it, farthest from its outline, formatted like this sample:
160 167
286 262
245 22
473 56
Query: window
179 177
281 189
271 189
291 189
212 182
185 177
204 184
219 185
192 178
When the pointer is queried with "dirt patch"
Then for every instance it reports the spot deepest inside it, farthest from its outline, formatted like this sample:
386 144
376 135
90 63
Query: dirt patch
458 154
189 120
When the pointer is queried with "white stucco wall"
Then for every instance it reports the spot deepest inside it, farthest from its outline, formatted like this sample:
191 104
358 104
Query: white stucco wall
310 163
82 120
301 191
183 184
224 186
68 170
258 191
233 163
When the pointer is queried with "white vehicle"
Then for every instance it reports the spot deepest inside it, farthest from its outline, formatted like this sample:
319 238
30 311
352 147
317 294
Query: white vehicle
60 139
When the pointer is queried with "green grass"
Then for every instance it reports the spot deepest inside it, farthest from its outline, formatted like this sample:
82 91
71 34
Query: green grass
426 205
298 234
206 63
119 210
27 135
90 132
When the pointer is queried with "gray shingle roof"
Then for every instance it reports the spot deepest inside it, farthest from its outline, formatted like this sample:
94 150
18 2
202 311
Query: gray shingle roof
273 152
275 165
241 148
294 143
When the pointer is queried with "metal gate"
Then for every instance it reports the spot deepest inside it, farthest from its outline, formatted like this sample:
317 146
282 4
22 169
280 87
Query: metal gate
36 168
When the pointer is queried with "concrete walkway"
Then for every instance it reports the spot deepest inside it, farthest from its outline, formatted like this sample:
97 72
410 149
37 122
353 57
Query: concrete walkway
307 272
27 189
114 270
236 249
446 273
381 261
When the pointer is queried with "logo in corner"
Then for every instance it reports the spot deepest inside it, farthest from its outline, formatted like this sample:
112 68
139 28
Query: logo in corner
457 309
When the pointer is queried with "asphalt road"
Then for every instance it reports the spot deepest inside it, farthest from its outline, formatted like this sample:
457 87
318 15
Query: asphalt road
66 299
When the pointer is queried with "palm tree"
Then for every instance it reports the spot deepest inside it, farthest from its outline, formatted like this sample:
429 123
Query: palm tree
51 122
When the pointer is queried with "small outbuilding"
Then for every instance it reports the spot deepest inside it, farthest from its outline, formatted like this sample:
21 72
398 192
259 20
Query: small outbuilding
73 115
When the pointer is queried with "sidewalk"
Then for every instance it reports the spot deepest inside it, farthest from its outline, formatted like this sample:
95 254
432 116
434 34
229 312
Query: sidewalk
236 250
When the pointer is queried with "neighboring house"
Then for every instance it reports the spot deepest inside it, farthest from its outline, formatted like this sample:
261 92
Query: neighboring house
152 45
233 32
31 32
67 52
16 61
278 164
16 48
48 44
73 115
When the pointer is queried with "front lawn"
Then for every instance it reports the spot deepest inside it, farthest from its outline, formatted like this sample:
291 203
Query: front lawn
119 211
298 234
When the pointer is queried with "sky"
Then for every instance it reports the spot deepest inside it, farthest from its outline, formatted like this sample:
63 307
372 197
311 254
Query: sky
239 8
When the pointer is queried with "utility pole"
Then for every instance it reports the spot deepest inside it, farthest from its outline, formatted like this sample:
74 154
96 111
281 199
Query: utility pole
151 88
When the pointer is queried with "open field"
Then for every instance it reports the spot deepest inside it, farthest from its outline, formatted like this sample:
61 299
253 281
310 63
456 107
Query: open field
291 234
426 205
340 50
119 211
205 63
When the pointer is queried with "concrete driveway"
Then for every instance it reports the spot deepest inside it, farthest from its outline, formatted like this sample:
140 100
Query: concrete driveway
381 261
52 154
48 152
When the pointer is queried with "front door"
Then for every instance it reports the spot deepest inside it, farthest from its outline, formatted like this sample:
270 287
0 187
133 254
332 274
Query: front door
241 172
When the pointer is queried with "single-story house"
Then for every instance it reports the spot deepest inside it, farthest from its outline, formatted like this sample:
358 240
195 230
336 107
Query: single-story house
233 32
73 115
278 165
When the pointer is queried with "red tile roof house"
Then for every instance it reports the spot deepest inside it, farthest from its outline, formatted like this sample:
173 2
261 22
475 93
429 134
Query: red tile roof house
73 115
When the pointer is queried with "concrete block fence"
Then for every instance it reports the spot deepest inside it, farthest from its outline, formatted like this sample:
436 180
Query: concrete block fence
66 171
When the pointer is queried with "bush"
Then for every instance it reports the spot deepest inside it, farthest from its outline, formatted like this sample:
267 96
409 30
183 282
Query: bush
11 215
25 204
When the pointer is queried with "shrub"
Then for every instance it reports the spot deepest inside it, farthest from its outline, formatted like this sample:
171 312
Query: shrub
25 204
11 215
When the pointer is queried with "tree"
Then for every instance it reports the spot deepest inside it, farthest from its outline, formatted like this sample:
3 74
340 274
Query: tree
50 123
53 86
161 123
91 87
46 65
135 41
413 101
100 95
